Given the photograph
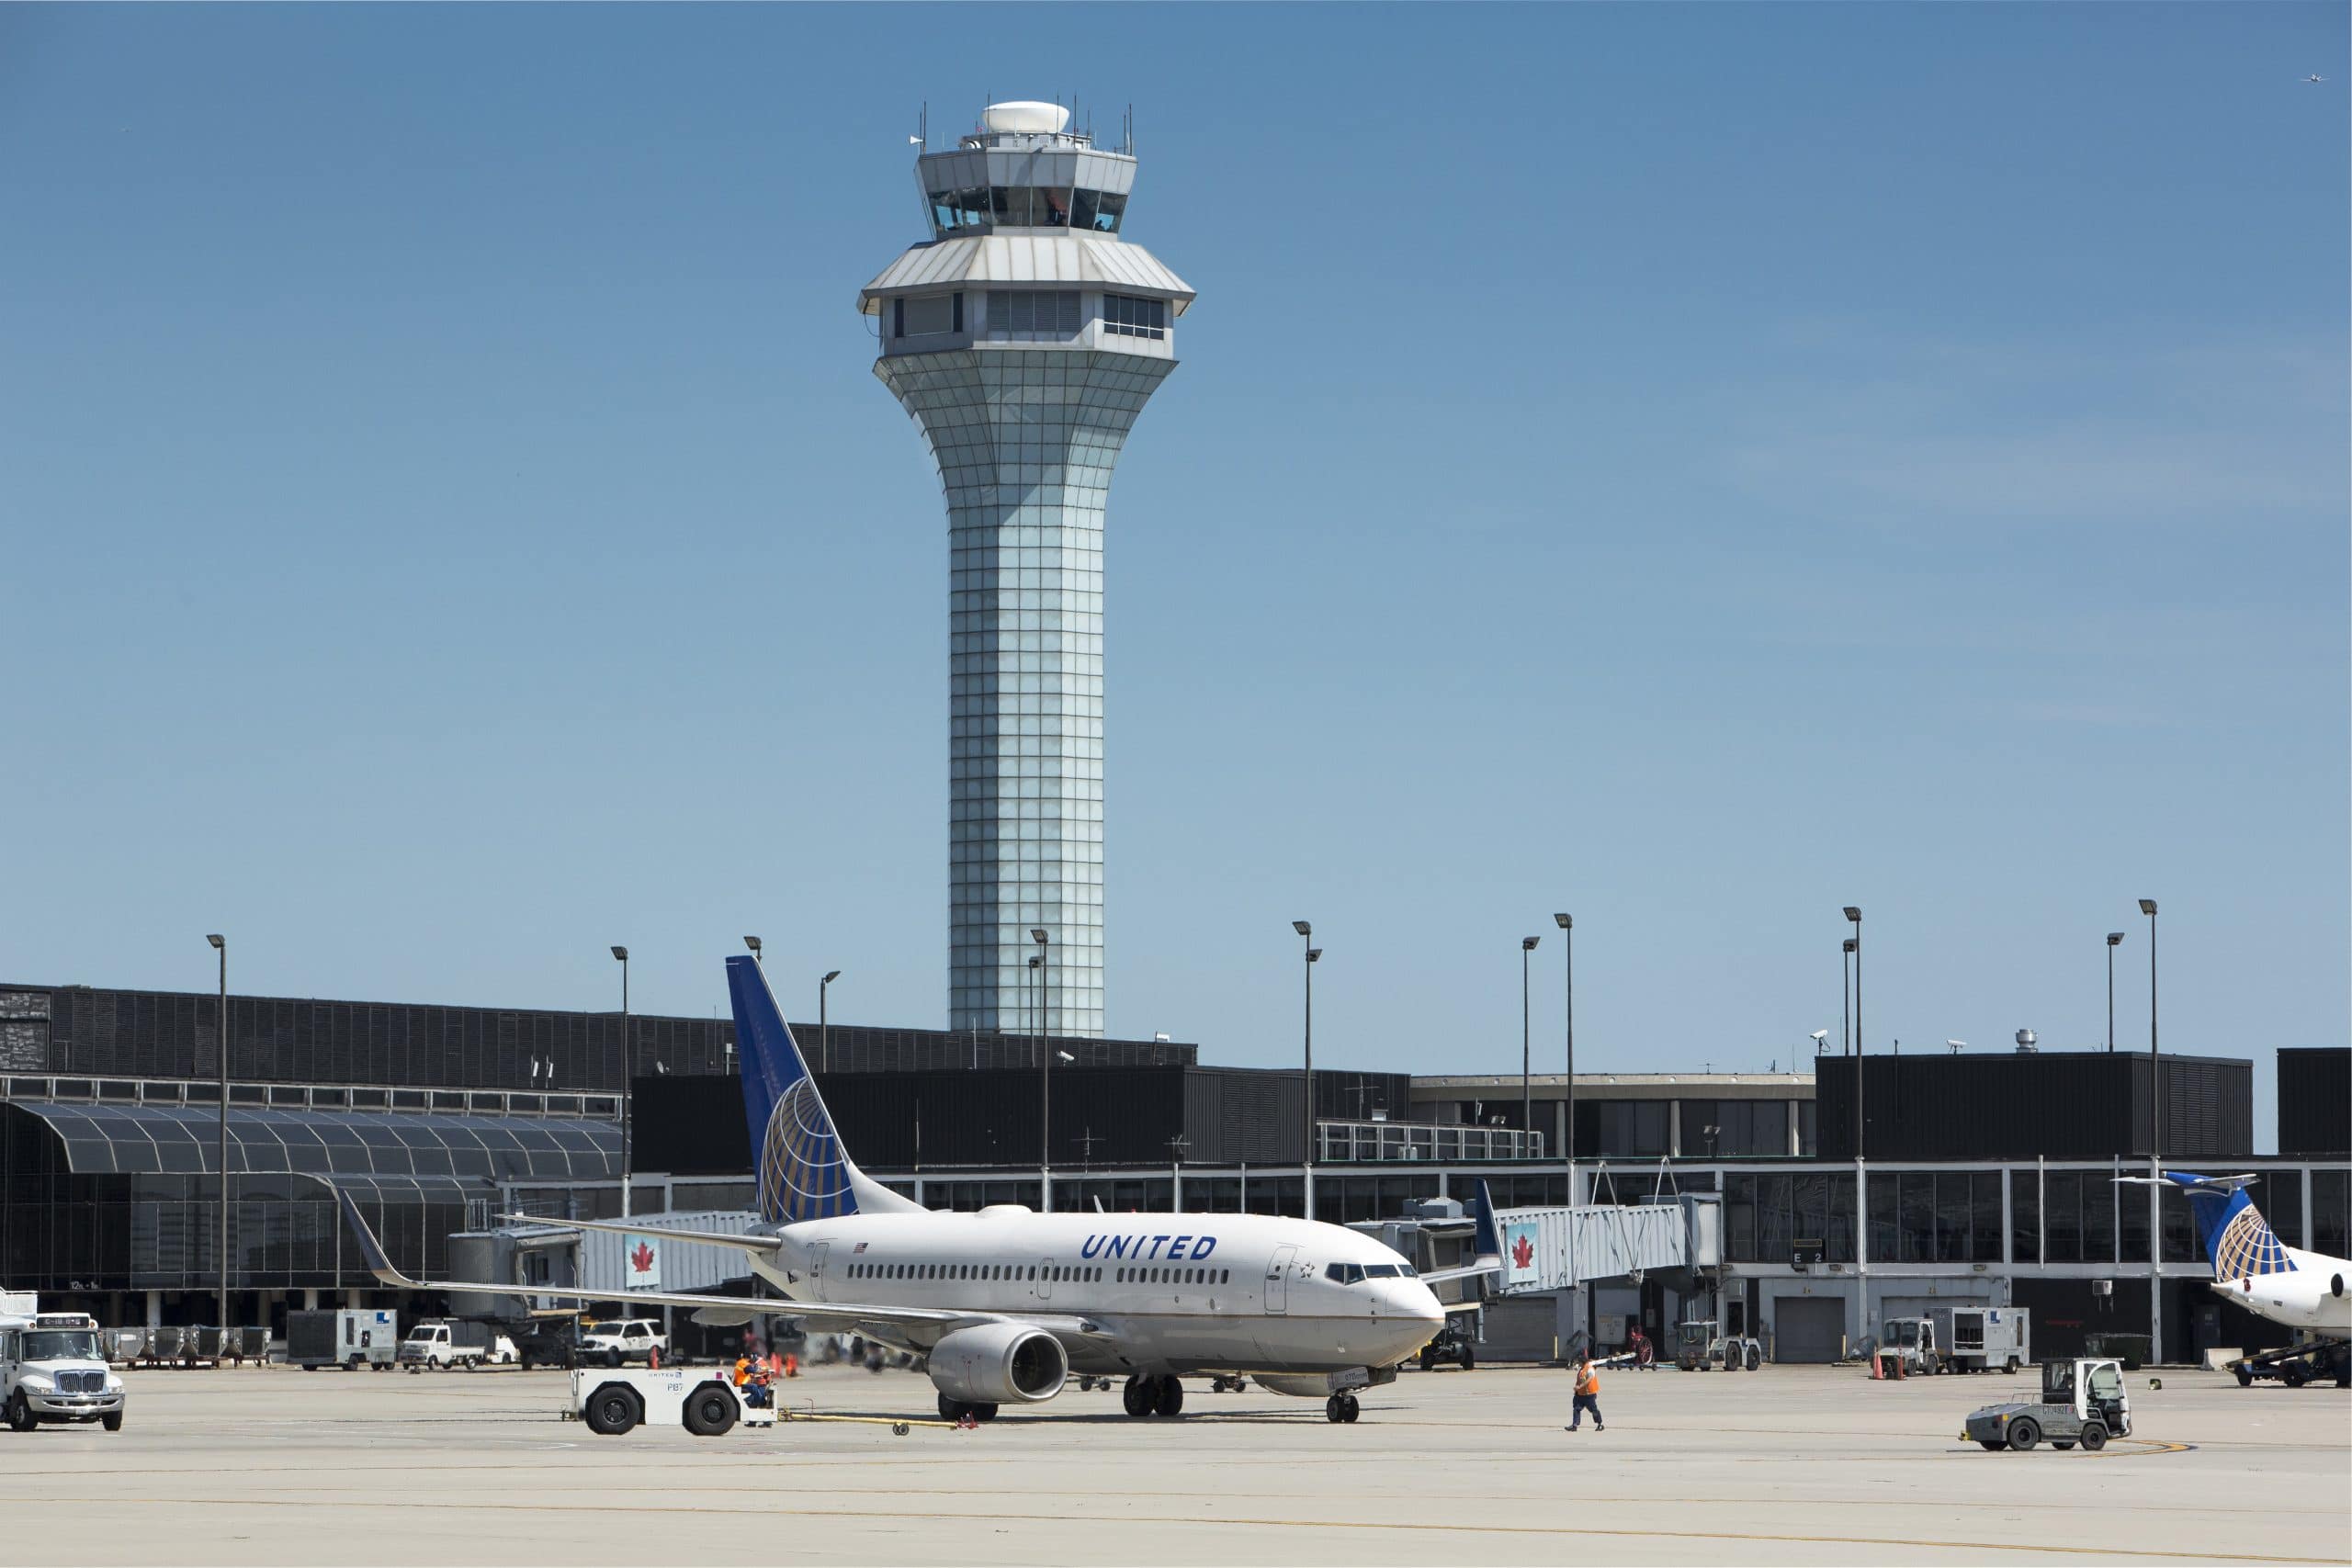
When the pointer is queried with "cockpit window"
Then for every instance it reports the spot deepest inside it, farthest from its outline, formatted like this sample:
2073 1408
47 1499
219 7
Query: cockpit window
1344 1273
1380 1271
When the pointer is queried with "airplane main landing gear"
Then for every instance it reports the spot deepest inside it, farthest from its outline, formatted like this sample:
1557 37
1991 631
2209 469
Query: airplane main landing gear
955 1410
1157 1396
1342 1407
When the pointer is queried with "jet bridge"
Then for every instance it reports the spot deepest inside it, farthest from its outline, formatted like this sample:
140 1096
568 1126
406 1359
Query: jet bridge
1557 1249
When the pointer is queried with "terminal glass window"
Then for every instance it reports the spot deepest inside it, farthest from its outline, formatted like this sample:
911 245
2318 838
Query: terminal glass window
1128 315
2281 1196
2025 1216
2331 1211
2131 1227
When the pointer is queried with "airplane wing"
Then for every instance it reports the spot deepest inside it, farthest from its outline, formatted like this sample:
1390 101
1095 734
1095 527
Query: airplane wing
923 1323
762 1246
1491 1265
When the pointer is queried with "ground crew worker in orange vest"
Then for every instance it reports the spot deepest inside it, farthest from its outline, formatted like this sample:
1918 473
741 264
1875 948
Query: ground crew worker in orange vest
1588 1395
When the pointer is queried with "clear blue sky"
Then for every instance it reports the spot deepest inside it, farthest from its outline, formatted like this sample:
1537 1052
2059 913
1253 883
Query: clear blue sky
1695 466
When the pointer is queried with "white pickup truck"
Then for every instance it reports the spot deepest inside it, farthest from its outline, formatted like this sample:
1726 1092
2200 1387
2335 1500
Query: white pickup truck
443 1342
622 1339
54 1369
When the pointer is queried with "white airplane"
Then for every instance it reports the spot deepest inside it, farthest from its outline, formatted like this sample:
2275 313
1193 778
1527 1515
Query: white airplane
1006 1303
2251 1267
2314 80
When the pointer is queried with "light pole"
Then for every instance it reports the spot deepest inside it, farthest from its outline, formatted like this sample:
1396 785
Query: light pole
1854 946
2155 1149
2114 940
1861 1179
220 1028
1526 1083
757 956
621 954
825 1023
1307 1151
1045 1080
1036 998
1568 1140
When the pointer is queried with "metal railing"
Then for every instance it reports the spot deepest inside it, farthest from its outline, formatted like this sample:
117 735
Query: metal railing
1365 1141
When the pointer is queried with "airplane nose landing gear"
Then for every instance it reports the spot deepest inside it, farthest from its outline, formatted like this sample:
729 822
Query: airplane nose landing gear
1342 1407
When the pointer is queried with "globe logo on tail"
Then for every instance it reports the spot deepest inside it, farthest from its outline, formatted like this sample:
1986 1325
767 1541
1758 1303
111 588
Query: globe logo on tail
2246 1248
803 1174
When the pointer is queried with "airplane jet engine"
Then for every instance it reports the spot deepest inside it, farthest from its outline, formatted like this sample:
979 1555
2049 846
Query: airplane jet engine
998 1363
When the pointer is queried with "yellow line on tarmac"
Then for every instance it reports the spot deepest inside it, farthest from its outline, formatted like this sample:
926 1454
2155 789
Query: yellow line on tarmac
902 1516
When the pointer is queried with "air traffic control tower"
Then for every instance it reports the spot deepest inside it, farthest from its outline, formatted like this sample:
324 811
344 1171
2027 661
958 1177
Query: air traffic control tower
1023 337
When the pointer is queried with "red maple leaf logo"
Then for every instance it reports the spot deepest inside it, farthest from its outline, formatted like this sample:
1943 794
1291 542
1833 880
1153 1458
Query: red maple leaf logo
642 1259
1523 1253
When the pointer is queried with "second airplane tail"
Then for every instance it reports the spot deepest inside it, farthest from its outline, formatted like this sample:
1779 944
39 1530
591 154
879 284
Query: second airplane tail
2239 1241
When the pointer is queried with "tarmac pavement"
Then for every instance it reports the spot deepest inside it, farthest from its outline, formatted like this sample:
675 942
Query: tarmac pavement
1794 1465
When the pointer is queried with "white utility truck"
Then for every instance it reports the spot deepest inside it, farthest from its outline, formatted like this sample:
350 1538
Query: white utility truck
622 1339
342 1337
445 1342
54 1369
611 1401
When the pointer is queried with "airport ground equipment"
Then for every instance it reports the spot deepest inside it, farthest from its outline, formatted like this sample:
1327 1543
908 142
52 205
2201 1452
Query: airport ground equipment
612 1400
2296 1365
1980 1338
617 1340
53 1372
2082 1401
1457 1341
445 1342
342 1337
1912 1342
1701 1345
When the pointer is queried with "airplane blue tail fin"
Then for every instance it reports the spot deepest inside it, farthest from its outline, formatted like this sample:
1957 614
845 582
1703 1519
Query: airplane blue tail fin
1489 1237
803 1171
2239 1241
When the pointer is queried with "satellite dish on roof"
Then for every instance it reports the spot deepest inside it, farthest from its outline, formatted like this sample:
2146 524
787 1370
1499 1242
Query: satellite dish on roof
1024 118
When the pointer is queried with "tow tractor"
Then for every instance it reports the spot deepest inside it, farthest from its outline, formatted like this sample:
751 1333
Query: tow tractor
1701 1345
2082 1401
2298 1364
612 1400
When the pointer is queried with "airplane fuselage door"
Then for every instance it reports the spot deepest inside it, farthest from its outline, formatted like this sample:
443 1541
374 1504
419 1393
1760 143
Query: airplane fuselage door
1278 1280
1045 1278
816 1254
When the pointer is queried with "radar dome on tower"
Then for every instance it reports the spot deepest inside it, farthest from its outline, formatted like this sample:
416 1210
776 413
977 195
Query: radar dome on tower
1024 118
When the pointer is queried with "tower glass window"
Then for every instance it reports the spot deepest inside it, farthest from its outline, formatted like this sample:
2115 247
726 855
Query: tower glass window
1130 316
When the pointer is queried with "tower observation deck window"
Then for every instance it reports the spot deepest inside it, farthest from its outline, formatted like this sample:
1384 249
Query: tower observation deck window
926 315
1128 316
975 209
1037 313
1099 210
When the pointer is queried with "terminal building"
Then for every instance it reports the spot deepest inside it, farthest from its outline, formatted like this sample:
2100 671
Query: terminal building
1982 1178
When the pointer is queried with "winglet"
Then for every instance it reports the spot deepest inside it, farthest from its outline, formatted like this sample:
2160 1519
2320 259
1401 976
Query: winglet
1489 1234
379 1261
